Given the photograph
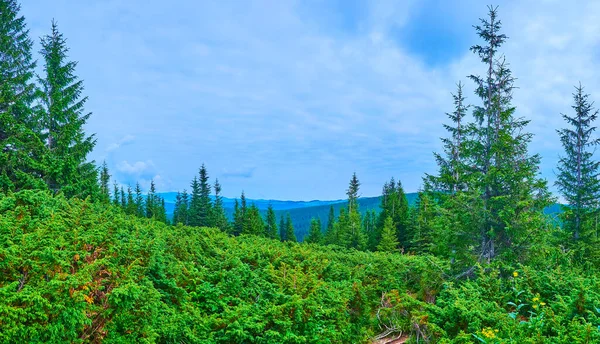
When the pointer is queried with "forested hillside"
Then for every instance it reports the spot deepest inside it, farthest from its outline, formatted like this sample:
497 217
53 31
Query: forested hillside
481 254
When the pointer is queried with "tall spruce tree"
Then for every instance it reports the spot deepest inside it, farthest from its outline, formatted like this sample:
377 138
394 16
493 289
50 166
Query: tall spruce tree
271 225
63 118
330 235
131 206
178 209
503 194
123 199
21 147
578 171
352 193
204 205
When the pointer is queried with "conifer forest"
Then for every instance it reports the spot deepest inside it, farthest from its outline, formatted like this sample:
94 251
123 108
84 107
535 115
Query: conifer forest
484 252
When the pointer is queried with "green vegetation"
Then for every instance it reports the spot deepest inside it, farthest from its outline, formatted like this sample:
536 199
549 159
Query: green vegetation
473 258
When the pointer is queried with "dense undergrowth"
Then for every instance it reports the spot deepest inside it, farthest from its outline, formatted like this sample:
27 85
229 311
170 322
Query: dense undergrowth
75 271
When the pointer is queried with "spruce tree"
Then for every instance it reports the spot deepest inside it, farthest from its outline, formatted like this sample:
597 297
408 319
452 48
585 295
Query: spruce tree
282 228
21 147
219 219
194 208
139 201
314 234
352 193
131 206
388 242
116 194
63 119
204 205
238 219
506 175
151 201
452 169
177 211
271 225
123 199
330 235
289 229
577 170
104 180
255 224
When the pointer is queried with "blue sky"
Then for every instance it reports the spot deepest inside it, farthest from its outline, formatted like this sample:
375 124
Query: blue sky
286 99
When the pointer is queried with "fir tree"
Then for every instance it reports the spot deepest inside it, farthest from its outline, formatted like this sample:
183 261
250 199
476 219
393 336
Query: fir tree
314 234
177 211
289 229
271 225
21 148
330 235
388 242
578 171
63 119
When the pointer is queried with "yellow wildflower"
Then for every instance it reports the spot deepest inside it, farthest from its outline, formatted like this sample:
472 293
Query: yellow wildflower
535 306
536 299
515 274
542 303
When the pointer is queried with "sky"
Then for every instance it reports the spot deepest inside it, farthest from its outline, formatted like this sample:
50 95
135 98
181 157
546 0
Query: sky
286 99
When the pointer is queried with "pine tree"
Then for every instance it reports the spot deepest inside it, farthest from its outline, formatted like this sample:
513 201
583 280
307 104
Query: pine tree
271 225
63 119
219 219
289 229
388 242
104 180
578 171
204 205
370 228
314 234
21 147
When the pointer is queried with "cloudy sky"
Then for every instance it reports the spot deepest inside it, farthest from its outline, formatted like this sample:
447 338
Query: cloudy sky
285 99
